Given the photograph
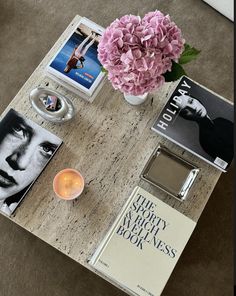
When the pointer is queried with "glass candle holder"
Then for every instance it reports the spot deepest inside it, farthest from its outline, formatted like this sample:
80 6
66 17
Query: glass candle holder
68 184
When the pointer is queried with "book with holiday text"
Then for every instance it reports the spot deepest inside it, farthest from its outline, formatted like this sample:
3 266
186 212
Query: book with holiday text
144 244
200 121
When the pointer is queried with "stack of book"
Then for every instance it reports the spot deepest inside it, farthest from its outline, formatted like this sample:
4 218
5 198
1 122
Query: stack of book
75 65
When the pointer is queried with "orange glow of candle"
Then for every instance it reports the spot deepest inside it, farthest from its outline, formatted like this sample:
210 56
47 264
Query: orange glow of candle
68 184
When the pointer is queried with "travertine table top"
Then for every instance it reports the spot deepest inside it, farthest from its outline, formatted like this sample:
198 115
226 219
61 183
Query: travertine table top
109 142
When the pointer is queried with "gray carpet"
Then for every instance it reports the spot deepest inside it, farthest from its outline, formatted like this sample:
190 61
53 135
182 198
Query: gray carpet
28 266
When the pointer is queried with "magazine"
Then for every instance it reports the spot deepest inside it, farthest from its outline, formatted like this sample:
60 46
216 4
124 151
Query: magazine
143 245
200 121
25 150
76 63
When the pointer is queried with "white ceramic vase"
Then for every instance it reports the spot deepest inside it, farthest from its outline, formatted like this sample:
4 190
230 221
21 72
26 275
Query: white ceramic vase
135 100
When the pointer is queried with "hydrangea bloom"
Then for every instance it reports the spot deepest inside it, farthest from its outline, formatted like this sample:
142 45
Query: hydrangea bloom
136 52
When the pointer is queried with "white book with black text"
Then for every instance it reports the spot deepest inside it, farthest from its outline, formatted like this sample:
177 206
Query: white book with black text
144 244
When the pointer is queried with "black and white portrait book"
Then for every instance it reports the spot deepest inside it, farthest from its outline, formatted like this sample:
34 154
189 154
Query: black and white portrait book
25 150
142 247
200 121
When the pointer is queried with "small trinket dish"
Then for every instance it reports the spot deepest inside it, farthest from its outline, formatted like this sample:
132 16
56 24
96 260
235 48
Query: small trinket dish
51 105
170 173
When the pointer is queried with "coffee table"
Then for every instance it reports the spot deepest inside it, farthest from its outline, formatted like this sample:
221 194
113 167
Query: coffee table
109 142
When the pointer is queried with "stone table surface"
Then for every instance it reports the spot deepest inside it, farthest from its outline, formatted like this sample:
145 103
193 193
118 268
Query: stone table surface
109 142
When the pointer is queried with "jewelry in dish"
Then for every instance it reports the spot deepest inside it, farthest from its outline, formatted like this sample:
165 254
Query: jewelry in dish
51 105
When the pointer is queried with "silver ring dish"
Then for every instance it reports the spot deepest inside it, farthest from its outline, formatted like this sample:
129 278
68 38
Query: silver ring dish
63 113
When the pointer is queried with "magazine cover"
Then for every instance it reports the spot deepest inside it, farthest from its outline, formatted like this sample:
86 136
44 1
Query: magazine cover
25 149
200 121
144 244
76 62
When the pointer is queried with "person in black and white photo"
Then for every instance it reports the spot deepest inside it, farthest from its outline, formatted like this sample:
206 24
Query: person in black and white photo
215 134
25 149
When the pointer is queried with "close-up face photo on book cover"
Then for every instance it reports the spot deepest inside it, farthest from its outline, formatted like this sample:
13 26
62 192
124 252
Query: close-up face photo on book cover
25 149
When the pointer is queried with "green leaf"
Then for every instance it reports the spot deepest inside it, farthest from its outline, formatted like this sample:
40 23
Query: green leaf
189 54
176 72
104 70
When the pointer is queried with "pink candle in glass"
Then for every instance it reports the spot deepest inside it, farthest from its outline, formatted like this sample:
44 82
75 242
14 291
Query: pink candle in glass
68 184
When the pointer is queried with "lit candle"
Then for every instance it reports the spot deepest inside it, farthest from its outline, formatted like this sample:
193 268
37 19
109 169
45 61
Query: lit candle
68 184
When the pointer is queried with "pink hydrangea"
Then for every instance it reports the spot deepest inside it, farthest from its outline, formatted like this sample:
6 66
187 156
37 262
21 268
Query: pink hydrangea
137 52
